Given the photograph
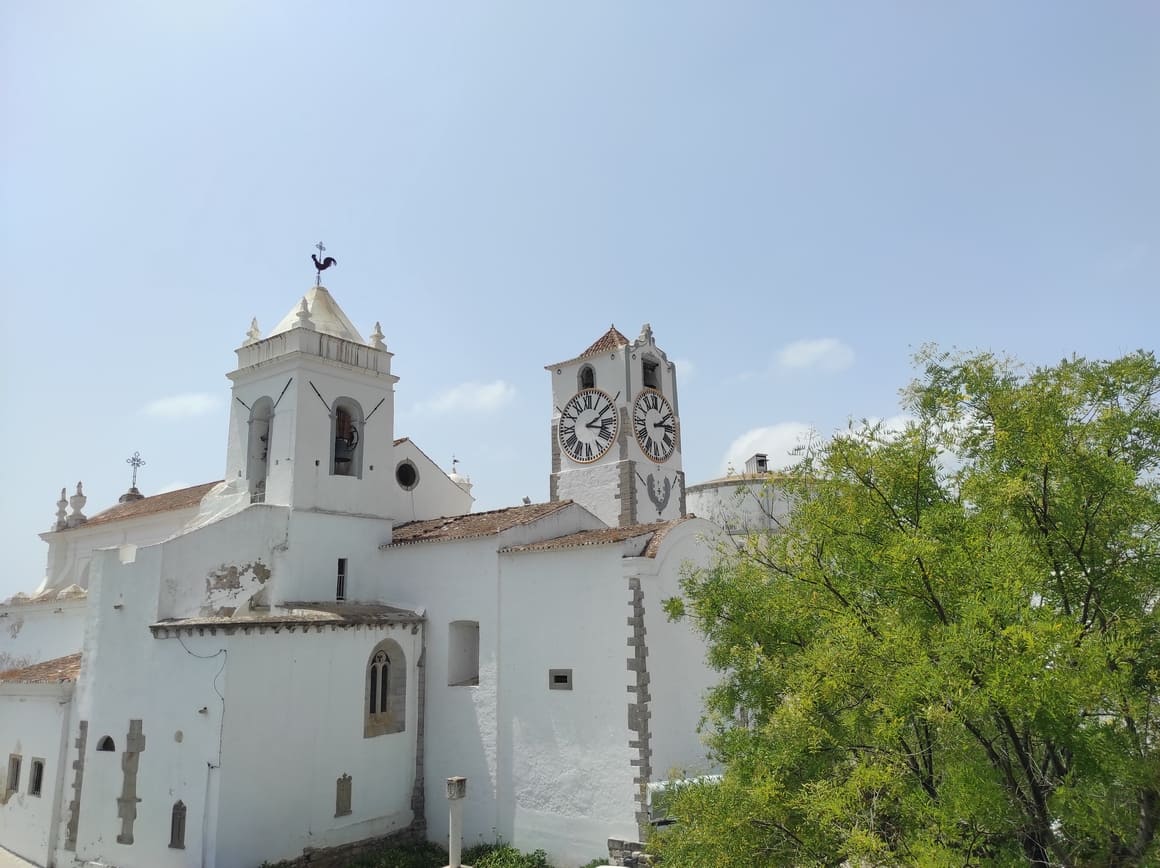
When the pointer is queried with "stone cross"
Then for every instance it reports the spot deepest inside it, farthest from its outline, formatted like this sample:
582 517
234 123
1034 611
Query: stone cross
127 803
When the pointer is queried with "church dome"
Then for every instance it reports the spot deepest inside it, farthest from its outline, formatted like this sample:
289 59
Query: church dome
325 314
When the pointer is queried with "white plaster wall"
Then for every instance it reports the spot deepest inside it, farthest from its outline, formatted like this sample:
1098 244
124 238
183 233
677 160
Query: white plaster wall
196 576
435 495
127 674
679 675
32 632
33 720
610 370
458 581
314 486
294 724
646 509
739 505
594 488
565 779
70 551
300 449
306 568
251 385
455 581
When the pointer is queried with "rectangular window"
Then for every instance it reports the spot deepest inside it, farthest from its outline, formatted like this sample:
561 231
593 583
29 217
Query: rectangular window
463 653
559 679
13 784
340 591
36 779
648 370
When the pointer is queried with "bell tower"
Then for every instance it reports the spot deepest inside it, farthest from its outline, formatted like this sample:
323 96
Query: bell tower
616 441
312 417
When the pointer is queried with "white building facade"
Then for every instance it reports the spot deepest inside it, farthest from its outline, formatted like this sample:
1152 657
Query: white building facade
296 657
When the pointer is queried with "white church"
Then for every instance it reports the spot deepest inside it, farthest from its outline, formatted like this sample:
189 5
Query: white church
296 658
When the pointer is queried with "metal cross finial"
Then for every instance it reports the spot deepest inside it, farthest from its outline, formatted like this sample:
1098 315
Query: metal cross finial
320 247
137 462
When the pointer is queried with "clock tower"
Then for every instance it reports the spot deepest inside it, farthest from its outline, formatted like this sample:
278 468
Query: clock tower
616 437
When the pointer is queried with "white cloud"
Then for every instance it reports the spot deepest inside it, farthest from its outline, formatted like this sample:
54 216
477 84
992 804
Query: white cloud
471 397
777 441
182 406
827 354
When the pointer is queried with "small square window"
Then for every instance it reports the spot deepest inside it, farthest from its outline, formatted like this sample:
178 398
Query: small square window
559 679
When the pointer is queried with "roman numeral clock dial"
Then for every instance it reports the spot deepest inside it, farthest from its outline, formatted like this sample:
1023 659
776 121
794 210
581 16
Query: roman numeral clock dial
588 426
654 425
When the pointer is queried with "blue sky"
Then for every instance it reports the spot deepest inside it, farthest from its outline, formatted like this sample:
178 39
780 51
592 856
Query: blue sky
795 196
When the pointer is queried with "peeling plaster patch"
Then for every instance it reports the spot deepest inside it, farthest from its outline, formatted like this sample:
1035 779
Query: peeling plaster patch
15 627
223 579
231 584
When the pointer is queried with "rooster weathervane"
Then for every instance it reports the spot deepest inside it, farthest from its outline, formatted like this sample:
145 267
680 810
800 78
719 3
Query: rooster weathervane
321 264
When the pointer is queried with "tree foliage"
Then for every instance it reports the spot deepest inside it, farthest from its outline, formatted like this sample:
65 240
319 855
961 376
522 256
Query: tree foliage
950 652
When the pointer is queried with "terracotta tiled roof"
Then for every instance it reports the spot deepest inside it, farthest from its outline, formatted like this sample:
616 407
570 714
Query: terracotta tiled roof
607 342
183 498
653 535
294 615
473 524
47 672
402 440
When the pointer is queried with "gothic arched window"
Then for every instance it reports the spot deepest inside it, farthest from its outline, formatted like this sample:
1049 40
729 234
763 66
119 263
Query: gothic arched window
177 826
385 705
346 435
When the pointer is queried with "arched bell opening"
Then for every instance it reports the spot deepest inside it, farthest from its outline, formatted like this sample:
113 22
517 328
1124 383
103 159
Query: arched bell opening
258 449
346 431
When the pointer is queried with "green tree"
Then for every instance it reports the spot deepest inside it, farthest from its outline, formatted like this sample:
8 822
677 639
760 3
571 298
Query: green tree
950 652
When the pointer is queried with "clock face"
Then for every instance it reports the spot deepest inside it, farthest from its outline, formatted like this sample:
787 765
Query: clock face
588 425
654 424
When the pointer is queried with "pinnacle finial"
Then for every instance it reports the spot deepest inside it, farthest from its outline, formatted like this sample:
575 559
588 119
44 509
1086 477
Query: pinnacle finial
304 320
377 337
61 511
254 334
77 502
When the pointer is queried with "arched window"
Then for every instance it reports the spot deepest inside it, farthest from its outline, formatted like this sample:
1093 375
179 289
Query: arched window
106 743
385 706
586 379
258 451
177 826
346 431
